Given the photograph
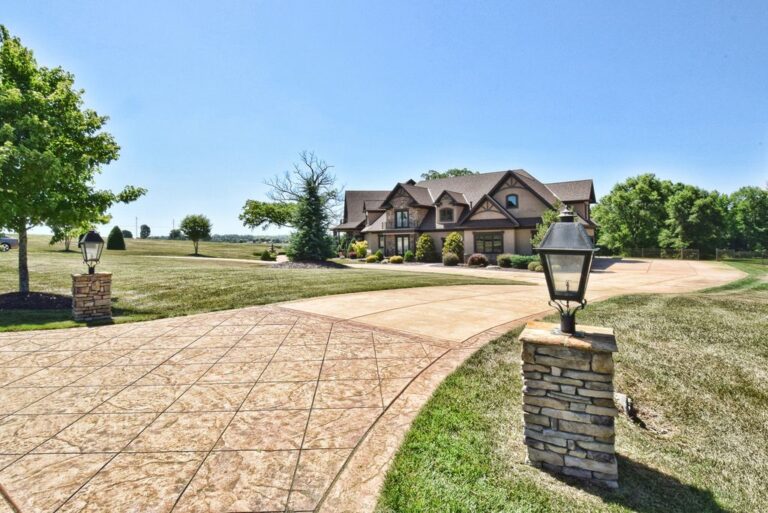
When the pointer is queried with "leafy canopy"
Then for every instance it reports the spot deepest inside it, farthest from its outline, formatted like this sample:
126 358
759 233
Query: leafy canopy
144 231
449 173
551 215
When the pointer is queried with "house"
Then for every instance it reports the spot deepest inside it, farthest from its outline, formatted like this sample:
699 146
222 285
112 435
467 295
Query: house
495 212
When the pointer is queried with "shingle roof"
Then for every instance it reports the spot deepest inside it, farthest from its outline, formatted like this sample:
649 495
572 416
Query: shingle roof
473 187
577 190
356 201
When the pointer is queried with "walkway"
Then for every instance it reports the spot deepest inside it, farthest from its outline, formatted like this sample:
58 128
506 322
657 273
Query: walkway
292 407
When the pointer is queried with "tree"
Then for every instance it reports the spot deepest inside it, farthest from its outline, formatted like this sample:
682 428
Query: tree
449 173
425 249
632 215
66 233
551 215
305 199
51 148
127 234
175 234
144 231
749 218
196 227
454 243
115 239
695 219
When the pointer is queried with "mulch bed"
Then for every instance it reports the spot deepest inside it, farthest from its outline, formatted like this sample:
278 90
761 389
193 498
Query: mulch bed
309 265
34 301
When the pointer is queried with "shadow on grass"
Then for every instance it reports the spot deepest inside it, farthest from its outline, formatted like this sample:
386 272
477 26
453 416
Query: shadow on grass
56 318
646 490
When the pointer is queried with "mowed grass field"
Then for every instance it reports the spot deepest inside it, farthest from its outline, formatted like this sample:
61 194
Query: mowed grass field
696 366
146 284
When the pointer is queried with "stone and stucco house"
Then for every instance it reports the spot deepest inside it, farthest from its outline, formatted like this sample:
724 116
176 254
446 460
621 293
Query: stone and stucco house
495 212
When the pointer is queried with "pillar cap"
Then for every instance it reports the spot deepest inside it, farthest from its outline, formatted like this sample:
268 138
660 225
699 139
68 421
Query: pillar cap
597 339
94 274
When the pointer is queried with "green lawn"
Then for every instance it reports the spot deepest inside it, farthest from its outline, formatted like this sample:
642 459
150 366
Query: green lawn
147 287
695 364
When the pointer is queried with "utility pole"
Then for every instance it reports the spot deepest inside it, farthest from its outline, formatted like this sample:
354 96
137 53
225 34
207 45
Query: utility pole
136 227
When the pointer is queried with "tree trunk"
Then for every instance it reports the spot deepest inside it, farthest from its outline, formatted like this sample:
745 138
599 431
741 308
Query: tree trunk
23 268
195 243
67 241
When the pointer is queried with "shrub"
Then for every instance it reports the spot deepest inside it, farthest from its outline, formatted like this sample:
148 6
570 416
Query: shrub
450 259
371 259
532 265
144 231
425 249
267 256
454 243
352 255
115 239
522 261
504 260
409 256
379 255
539 268
477 259
396 260
127 234
360 247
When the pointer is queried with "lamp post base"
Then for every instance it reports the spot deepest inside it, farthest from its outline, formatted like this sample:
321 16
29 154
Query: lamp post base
92 297
568 323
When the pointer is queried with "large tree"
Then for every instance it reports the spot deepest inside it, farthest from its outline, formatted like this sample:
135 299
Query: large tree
449 173
306 199
749 218
51 149
632 215
695 219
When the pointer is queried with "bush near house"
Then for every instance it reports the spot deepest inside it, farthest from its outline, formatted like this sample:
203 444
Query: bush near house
477 260
115 239
532 265
454 243
360 248
409 256
351 255
450 259
372 259
396 260
379 255
425 249
522 261
539 268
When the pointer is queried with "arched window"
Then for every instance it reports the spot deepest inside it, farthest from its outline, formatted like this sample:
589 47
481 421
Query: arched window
511 200
446 215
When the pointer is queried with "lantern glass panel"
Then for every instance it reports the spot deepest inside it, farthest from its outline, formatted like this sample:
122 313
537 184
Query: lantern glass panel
566 271
91 252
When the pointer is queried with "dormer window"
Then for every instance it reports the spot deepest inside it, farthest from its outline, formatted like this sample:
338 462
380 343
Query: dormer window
446 215
512 201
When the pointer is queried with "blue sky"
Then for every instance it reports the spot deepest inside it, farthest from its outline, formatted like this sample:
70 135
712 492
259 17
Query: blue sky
207 99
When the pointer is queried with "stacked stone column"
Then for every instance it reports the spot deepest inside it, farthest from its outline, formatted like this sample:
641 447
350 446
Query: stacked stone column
92 297
568 401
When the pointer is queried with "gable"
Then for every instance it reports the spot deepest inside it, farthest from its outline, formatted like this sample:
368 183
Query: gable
487 210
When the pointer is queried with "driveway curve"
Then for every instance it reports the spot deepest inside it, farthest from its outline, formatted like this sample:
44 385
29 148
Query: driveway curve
292 407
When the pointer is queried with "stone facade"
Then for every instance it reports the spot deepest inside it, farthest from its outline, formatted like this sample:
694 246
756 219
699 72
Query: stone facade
568 401
92 296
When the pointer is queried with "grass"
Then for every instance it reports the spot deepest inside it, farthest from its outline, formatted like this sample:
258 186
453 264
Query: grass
695 364
145 287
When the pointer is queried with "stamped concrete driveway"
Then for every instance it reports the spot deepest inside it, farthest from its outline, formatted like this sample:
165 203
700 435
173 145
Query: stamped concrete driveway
295 407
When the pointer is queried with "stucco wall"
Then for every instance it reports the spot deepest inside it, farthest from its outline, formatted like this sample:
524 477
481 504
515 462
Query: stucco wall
523 242
528 204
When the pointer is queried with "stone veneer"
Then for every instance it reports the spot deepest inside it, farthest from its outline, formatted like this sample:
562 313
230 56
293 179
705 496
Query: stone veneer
568 401
92 296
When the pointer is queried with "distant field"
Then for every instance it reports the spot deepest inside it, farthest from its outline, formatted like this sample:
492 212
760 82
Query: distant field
147 287
247 250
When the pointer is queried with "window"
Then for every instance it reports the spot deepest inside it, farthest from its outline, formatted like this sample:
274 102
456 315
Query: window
489 243
381 243
511 200
403 244
446 215
401 219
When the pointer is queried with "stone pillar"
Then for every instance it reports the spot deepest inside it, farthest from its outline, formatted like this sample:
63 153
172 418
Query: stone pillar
92 296
568 401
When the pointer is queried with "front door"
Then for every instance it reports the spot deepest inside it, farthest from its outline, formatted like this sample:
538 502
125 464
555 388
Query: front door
403 244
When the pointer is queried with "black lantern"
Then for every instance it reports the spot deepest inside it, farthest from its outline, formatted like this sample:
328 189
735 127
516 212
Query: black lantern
91 245
566 256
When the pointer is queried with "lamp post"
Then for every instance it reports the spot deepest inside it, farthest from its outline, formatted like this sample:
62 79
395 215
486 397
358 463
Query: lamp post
91 245
566 256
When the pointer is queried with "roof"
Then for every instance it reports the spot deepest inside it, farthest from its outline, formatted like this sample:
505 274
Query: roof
457 197
355 203
472 187
577 190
